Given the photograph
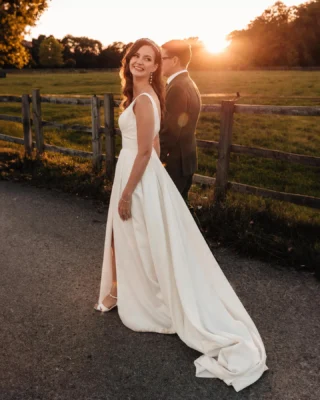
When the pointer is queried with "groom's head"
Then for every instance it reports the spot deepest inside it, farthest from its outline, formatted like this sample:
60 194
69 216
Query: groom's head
176 56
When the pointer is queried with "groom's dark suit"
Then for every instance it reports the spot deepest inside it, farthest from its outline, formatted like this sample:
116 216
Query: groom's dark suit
177 133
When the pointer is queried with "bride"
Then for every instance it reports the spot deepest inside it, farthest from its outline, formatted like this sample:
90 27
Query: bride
157 268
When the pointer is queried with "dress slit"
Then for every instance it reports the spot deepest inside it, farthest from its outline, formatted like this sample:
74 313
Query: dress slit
107 273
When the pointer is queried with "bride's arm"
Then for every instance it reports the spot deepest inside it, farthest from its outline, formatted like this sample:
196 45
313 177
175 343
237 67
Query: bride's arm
156 145
145 129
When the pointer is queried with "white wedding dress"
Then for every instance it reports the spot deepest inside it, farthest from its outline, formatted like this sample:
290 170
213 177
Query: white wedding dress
168 279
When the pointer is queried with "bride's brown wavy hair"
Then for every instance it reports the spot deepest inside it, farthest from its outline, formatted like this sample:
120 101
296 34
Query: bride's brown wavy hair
127 79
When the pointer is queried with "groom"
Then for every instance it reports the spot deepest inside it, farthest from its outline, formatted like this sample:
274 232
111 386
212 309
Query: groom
183 103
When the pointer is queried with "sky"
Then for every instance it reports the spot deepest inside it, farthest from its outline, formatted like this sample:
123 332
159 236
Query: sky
128 20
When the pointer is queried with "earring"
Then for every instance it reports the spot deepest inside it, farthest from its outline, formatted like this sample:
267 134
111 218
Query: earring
150 78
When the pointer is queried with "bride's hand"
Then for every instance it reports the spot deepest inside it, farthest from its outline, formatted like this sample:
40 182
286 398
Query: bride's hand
124 208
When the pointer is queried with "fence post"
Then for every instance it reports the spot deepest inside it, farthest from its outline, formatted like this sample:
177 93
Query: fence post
96 142
27 134
37 120
109 134
225 141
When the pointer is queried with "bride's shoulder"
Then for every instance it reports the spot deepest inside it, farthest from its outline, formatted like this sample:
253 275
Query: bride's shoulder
145 98
147 94
143 102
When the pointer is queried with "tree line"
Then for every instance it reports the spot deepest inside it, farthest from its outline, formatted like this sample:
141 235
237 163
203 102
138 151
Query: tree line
280 36
74 52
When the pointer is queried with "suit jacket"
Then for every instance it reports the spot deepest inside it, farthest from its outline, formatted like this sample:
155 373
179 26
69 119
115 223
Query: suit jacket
178 128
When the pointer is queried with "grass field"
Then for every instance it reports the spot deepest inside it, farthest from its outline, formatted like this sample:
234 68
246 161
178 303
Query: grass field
292 134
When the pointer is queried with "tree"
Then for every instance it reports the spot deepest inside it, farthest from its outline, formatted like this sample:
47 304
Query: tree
111 56
241 50
36 48
50 52
83 50
15 17
70 63
280 36
267 41
306 33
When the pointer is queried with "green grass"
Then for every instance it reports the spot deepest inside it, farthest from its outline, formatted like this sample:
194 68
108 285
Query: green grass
291 134
270 83
61 83
299 135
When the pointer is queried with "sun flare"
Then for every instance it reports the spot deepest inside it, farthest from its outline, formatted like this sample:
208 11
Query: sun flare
215 45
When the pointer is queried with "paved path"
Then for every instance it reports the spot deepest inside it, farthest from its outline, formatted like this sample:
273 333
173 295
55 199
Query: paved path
55 346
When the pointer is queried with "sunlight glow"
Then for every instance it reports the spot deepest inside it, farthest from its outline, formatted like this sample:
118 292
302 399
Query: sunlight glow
209 21
216 45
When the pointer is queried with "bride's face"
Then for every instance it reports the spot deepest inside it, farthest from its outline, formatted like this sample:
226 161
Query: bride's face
142 63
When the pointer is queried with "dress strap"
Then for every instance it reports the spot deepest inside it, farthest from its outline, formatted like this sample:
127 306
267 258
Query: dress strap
146 94
155 108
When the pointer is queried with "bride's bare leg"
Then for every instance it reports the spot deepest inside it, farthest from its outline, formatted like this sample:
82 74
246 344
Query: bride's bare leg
110 301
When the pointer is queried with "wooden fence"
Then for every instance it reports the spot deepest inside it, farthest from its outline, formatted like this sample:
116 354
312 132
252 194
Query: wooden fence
224 146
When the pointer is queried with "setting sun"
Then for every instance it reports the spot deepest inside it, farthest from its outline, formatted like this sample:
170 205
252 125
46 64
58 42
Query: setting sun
216 45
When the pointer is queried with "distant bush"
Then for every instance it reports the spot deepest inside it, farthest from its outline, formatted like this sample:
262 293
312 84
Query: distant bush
70 63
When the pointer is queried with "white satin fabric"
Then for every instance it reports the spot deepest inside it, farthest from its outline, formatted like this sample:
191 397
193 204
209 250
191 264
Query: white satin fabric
168 279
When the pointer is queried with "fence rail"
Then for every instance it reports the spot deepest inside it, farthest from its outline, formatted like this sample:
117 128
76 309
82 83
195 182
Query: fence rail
225 147
302 111
10 118
258 96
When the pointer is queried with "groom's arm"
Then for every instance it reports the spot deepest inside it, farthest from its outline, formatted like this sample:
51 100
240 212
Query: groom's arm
175 119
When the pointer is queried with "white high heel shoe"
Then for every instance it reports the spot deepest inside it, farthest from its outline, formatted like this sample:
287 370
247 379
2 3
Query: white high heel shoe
101 307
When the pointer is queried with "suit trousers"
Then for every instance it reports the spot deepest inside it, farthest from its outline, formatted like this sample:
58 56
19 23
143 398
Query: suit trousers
183 184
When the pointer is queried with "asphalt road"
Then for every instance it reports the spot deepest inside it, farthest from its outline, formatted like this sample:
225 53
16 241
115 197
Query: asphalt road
55 346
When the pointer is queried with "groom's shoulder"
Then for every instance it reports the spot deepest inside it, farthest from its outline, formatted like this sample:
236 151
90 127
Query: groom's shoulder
183 84
190 86
177 85
192 82
187 81
181 81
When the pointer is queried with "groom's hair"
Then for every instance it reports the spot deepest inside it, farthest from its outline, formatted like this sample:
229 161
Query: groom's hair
180 49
